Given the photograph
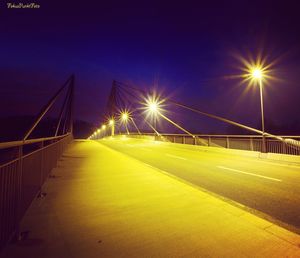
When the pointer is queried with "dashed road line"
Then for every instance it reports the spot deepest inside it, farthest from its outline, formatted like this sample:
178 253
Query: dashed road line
248 173
175 157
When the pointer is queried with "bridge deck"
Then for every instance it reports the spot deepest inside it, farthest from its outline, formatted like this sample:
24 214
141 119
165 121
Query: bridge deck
102 203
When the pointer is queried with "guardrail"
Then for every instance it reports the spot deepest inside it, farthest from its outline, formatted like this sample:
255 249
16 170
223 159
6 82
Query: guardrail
290 144
22 177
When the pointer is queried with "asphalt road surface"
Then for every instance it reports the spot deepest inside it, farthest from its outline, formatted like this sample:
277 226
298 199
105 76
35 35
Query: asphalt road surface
269 187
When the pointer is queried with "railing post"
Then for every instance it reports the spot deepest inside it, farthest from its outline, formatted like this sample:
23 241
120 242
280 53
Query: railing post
209 141
251 144
265 143
183 140
284 148
19 193
113 130
227 142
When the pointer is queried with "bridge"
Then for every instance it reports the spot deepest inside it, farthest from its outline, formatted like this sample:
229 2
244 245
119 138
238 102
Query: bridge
133 190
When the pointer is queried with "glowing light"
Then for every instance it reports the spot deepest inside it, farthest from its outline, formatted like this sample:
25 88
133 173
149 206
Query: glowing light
111 122
98 131
103 127
257 73
255 70
153 107
124 116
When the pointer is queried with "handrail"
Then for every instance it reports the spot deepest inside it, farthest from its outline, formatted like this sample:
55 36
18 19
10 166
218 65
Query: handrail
288 144
219 135
6 145
293 141
22 179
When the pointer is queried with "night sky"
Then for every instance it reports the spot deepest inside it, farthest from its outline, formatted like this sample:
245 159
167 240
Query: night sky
186 50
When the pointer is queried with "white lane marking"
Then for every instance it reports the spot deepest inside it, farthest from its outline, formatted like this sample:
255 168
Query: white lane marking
173 156
248 173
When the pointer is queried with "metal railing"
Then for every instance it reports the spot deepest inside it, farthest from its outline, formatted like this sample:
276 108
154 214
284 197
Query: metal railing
26 164
21 178
290 144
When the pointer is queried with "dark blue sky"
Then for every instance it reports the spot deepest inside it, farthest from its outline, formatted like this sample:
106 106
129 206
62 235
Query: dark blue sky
185 48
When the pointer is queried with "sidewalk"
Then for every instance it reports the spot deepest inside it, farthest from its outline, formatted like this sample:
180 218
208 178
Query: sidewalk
102 203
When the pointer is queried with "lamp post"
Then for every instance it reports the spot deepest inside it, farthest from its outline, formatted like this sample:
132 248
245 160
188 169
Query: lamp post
153 108
103 127
124 118
112 124
257 74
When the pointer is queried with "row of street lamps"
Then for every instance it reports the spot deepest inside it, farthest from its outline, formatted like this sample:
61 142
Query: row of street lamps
152 106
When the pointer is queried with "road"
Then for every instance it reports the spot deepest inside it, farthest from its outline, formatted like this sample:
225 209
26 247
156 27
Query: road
271 188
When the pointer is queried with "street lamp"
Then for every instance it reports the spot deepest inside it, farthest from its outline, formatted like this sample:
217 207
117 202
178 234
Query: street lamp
257 75
124 117
98 133
103 127
152 107
112 124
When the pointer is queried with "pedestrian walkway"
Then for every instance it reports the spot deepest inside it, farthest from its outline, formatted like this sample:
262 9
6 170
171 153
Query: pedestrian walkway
102 203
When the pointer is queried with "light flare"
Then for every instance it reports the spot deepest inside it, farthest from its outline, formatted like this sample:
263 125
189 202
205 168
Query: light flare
255 69
152 105
124 115
257 73
111 122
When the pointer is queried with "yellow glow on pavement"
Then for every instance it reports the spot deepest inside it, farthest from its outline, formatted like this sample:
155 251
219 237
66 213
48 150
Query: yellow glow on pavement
137 210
